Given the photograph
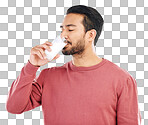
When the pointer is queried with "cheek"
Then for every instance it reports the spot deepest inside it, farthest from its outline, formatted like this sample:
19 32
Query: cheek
73 35
76 34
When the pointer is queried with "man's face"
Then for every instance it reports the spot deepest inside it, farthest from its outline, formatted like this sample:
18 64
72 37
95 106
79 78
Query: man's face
74 32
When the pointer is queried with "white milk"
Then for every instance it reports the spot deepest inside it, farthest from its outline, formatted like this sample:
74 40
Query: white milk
58 45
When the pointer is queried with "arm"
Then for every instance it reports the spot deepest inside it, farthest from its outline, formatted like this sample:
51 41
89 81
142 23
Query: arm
128 112
26 91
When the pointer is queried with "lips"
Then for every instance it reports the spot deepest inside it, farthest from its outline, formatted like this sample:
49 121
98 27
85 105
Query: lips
67 42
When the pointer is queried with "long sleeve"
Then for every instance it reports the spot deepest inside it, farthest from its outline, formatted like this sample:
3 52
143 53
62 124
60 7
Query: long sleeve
128 112
26 91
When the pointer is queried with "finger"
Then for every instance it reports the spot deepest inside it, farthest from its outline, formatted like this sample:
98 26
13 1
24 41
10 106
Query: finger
40 49
57 56
48 43
37 52
45 46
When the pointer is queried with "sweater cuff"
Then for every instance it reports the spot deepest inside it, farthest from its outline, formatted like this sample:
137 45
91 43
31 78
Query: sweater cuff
30 69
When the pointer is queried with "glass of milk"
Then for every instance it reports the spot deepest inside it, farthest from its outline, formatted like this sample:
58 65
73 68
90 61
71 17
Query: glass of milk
58 45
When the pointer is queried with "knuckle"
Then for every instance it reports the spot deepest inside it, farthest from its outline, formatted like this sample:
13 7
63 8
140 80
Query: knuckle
38 51
49 43
43 46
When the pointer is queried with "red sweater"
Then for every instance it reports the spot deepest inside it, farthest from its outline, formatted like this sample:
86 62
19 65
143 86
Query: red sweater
103 94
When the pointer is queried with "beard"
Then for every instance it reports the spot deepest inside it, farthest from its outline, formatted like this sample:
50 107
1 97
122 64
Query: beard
77 49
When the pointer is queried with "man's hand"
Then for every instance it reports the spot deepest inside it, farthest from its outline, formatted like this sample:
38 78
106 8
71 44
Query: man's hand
38 56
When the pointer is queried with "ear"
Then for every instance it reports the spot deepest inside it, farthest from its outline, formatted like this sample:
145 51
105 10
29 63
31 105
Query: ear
91 34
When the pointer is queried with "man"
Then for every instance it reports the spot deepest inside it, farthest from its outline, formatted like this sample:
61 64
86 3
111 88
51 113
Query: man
88 90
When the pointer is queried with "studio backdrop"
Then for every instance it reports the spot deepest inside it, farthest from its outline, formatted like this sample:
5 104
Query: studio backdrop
27 23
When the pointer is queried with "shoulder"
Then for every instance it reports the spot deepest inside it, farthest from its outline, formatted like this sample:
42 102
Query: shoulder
117 71
120 77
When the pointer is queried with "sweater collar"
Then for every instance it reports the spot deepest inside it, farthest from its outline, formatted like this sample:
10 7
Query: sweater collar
77 68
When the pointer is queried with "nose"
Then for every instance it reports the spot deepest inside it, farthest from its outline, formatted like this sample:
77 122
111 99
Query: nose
64 34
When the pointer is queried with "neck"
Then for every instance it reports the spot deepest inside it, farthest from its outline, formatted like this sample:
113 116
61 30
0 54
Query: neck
86 59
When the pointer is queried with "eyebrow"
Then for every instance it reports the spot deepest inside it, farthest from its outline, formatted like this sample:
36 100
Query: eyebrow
68 25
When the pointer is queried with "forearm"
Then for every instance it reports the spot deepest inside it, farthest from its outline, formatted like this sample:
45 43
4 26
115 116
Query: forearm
20 91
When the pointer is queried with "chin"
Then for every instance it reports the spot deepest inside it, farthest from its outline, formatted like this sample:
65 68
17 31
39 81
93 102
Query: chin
65 52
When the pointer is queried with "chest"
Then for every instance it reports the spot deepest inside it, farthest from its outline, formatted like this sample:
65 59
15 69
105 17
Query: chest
81 90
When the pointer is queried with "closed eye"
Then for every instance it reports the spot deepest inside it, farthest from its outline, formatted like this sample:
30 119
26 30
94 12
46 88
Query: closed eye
68 30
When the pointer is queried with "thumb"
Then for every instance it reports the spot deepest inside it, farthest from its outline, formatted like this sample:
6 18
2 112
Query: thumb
57 56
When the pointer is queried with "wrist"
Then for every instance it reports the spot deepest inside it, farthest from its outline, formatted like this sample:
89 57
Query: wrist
33 64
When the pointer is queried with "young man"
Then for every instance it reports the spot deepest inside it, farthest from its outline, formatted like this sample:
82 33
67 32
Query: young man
88 90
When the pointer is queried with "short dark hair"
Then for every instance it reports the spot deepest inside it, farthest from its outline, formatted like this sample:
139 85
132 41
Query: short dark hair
92 18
